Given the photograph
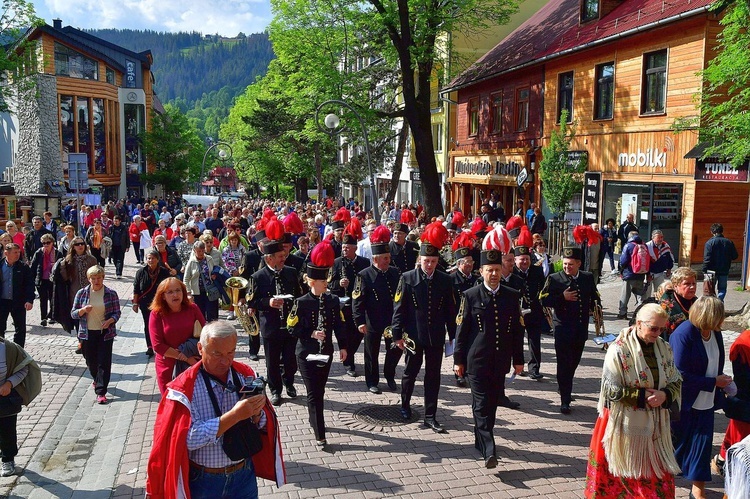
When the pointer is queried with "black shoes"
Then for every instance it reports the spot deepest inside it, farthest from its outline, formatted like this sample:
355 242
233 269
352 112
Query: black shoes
321 443
150 352
44 322
460 381
374 389
565 408
291 391
490 462
351 372
392 384
406 413
622 316
524 374
254 356
508 403
275 399
434 426
536 376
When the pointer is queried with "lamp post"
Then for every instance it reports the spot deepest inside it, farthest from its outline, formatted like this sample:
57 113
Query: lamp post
225 153
333 125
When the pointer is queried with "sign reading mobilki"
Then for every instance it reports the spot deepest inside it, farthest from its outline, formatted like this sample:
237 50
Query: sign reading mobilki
653 158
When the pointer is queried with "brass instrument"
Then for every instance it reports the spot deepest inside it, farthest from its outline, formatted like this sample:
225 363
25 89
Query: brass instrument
248 321
599 320
408 342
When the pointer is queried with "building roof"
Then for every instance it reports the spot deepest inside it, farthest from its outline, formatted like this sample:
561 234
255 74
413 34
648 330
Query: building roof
554 31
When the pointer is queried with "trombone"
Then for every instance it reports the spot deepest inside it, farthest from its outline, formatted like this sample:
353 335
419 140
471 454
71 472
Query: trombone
408 342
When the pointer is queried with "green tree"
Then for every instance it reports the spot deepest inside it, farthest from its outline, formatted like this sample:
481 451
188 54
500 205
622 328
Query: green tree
16 54
174 146
561 177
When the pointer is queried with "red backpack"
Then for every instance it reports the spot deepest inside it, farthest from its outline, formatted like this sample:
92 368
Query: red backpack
640 260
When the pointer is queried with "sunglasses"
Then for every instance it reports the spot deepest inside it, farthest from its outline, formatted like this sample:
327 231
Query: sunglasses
654 329
79 244
47 243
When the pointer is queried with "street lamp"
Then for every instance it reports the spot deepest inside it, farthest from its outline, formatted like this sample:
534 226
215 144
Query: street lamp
333 125
225 153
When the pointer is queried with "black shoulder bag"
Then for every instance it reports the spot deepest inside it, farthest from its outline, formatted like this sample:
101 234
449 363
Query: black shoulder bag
241 441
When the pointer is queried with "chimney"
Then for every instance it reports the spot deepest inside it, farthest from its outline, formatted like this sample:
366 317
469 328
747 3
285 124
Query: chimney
57 23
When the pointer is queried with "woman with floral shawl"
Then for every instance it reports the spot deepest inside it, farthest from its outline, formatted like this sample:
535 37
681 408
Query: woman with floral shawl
631 452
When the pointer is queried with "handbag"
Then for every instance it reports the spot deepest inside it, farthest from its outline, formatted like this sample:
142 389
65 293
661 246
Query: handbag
709 284
212 291
10 404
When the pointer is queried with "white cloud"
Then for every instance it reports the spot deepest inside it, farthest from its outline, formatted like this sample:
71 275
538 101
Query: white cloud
226 17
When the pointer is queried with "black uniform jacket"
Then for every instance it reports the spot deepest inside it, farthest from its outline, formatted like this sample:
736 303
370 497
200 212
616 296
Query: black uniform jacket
533 283
306 317
570 314
372 298
404 258
343 267
489 331
295 261
461 284
263 287
424 311
251 263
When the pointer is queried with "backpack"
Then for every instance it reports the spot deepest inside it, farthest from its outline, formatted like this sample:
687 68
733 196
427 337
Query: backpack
640 260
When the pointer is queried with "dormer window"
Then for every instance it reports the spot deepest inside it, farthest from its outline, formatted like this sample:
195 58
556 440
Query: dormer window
589 10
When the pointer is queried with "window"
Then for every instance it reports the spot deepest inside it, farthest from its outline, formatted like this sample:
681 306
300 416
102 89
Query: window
604 91
110 76
496 113
437 137
135 123
565 95
654 91
589 10
473 116
70 63
522 108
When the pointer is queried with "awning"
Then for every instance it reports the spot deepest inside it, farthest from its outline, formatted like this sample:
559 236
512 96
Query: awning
698 151
7 190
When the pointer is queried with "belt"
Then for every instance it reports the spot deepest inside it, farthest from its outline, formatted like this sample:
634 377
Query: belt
226 470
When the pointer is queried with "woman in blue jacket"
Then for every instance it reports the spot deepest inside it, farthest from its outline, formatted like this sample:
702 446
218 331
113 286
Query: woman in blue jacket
699 356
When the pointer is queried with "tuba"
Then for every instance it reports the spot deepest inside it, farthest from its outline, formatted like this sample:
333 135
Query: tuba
408 342
248 321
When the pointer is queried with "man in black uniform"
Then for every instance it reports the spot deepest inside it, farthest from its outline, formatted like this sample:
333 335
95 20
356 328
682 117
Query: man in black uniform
423 310
463 278
403 253
251 263
267 284
341 283
337 226
533 280
373 295
489 337
572 294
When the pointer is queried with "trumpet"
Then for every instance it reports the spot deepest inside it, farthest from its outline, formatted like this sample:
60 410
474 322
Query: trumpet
247 320
408 342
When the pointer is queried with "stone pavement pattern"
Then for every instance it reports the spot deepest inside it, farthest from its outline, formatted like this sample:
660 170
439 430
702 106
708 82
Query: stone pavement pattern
70 447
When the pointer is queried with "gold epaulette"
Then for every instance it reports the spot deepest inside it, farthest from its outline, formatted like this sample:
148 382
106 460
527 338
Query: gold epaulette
399 291
357 292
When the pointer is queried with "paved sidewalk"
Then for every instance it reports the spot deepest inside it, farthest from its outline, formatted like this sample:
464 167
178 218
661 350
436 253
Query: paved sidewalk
71 447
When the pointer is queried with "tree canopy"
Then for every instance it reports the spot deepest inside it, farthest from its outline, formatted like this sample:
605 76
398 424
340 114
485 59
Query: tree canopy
16 16
561 177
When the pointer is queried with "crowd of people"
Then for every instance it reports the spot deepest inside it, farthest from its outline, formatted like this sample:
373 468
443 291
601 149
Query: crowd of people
314 272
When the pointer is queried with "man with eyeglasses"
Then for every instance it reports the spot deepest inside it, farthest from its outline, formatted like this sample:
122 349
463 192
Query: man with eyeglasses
16 292
33 240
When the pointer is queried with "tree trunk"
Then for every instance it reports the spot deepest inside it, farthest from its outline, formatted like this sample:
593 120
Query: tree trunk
300 189
318 170
403 136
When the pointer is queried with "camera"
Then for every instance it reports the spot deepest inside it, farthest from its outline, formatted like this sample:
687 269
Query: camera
256 386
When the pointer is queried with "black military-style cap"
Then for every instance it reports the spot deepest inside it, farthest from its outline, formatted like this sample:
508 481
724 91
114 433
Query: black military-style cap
572 252
287 239
337 224
349 239
521 251
270 246
461 253
380 248
317 273
490 257
401 228
426 249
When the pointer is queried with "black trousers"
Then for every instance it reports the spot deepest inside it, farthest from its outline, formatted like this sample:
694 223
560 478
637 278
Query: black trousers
97 253
146 314
353 337
209 308
372 351
280 351
569 349
18 313
315 376
433 359
534 337
45 298
486 392
254 345
117 254
8 438
98 355
138 252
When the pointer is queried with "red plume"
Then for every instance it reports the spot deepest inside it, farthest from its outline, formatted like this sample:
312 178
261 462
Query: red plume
478 225
464 240
579 234
261 224
525 239
458 219
381 235
514 223
498 239
407 217
322 255
329 237
269 214
293 224
593 236
435 234
343 215
355 228
274 230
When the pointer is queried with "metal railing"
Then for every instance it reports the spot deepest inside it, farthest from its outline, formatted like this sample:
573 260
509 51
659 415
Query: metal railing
557 235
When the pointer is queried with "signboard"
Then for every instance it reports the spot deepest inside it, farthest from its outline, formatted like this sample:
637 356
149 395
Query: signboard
78 171
522 177
716 170
129 74
575 156
487 166
414 175
592 197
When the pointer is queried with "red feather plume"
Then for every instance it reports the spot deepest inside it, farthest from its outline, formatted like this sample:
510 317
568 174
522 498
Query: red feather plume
478 225
579 233
458 219
261 224
435 234
514 223
464 240
355 228
407 217
593 236
381 235
274 230
269 214
498 239
293 224
322 255
342 215
525 239
329 237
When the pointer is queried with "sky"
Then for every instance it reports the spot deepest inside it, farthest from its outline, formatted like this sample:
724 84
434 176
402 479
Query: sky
225 17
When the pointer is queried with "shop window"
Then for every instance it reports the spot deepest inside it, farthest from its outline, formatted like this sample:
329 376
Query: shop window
473 116
496 112
84 134
135 160
437 137
100 139
565 95
110 76
654 88
522 108
604 91
589 10
70 63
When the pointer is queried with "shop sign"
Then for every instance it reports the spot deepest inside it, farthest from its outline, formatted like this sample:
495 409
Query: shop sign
414 175
592 183
487 166
574 157
522 177
653 158
719 171
129 74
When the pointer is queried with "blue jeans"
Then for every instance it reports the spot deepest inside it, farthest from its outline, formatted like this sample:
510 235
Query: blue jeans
721 286
239 485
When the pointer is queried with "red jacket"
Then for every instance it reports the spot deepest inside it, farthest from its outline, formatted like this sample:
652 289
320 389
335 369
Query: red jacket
135 231
168 465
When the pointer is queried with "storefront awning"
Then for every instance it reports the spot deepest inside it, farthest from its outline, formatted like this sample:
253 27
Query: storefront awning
698 151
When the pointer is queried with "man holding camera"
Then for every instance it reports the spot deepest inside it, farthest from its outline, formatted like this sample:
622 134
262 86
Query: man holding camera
202 406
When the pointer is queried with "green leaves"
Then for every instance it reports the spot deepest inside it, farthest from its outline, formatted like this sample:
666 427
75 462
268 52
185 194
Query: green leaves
561 177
